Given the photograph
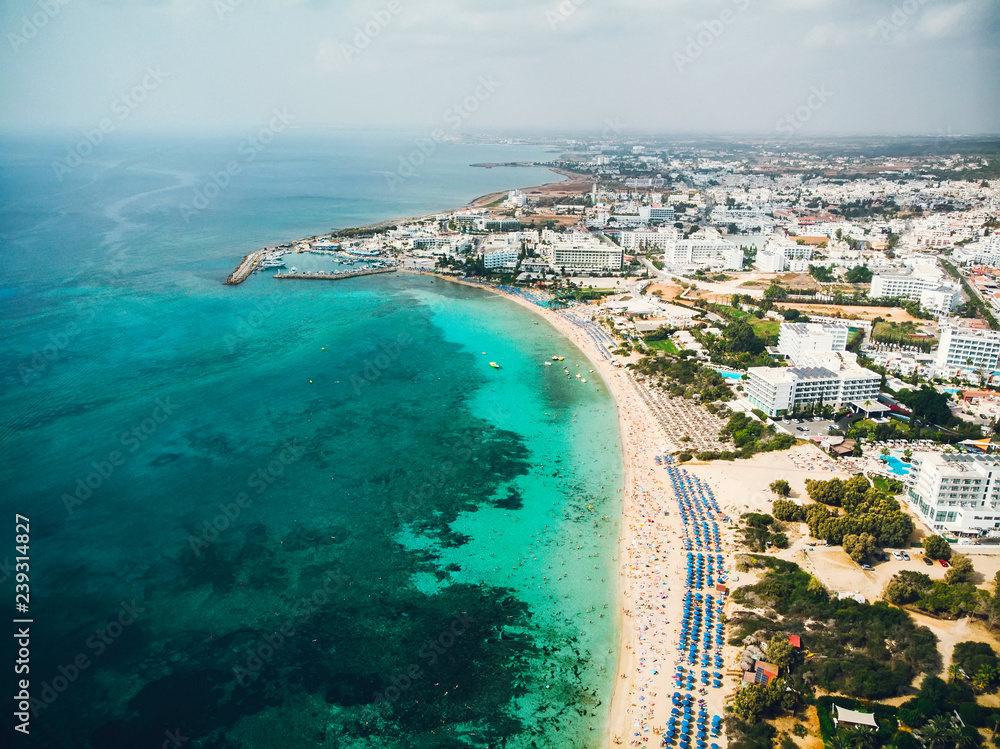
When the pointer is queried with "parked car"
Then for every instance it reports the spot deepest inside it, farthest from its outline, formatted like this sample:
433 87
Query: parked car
905 556
943 563
867 567
928 561
802 429
896 555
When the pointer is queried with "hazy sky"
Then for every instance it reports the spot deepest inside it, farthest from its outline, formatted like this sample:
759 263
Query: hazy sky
805 67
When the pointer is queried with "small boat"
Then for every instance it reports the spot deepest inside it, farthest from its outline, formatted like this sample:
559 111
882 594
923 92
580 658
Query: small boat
548 364
558 358
584 379
494 365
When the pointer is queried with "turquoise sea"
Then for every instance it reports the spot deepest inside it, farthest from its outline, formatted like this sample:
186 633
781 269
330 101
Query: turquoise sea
291 514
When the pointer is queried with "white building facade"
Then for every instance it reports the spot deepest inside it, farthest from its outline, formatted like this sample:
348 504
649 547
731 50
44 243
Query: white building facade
580 251
931 294
957 493
976 350
801 342
777 390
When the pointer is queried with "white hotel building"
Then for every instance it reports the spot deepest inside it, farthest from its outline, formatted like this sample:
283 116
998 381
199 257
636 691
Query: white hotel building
932 294
840 380
801 342
648 239
706 247
580 251
968 350
956 493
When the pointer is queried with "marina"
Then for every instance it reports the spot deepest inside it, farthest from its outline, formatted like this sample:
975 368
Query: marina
315 275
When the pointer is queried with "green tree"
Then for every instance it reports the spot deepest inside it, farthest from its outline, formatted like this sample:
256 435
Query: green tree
741 339
826 492
940 732
961 570
781 488
775 292
860 274
860 546
786 510
751 702
780 652
936 547
906 587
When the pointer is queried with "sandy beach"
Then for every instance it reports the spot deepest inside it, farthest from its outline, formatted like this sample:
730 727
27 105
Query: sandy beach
651 557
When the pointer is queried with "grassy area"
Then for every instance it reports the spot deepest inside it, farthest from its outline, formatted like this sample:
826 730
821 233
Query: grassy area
889 487
666 345
765 328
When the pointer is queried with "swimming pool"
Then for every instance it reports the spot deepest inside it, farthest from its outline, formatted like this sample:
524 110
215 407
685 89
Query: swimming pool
897 466
731 375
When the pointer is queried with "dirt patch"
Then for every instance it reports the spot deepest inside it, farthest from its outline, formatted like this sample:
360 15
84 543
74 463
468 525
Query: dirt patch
895 314
799 281
810 719
665 292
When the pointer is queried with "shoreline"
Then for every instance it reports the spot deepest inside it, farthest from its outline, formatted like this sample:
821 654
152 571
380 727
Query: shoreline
244 267
640 437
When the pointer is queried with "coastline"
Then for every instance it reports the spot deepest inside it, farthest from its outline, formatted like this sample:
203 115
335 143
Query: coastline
640 437
573 180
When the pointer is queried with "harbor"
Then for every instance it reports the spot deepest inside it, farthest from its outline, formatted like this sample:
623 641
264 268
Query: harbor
315 275
271 258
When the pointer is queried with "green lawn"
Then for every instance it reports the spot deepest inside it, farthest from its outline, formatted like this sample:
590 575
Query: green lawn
765 328
666 345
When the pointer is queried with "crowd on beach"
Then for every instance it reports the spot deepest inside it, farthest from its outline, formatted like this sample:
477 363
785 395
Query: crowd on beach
691 426
670 686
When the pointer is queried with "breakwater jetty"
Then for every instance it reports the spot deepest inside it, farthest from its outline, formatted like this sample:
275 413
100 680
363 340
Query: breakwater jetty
248 266
335 276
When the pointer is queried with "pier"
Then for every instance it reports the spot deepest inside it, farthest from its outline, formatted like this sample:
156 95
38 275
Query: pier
244 269
335 276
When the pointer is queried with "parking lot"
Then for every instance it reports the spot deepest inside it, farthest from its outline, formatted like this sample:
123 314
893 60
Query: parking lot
805 428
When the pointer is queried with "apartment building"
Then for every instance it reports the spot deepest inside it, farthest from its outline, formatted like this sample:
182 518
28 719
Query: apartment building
777 390
956 493
976 350
802 342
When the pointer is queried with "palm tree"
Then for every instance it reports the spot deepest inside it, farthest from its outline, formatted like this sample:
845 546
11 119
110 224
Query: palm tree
954 672
861 737
940 733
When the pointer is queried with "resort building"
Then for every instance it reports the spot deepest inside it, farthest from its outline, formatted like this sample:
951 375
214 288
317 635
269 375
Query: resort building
500 259
840 380
648 239
705 247
932 294
968 350
655 213
987 252
956 493
770 262
801 342
746 219
579 251
789 249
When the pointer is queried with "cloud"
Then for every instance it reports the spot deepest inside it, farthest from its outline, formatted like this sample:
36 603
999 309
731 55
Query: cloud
943 21
827 36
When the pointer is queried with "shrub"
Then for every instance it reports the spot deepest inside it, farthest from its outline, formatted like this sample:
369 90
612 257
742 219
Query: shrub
781 488
787 510
936 547
961 570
